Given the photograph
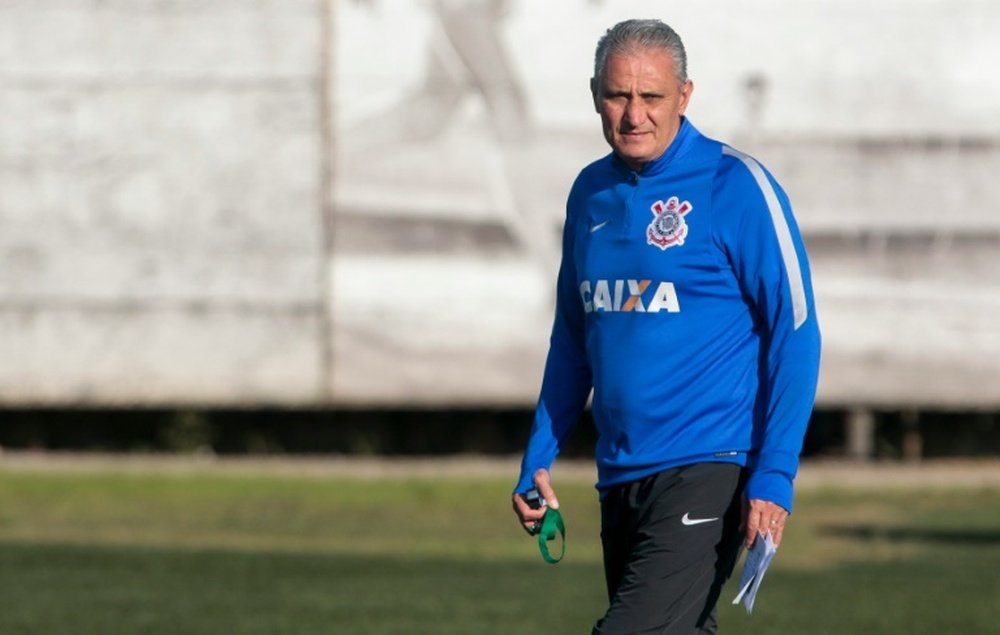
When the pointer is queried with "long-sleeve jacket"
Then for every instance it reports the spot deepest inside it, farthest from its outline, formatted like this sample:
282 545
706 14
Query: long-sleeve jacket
684 301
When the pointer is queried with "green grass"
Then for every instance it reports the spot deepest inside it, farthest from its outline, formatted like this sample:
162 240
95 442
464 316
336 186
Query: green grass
213 553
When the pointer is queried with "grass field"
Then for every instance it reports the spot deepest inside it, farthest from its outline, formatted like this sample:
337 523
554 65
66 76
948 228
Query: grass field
109 551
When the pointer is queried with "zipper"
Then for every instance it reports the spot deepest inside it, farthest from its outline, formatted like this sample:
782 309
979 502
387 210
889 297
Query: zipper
627 222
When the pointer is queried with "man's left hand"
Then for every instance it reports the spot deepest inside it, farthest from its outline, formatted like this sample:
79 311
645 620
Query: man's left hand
760 517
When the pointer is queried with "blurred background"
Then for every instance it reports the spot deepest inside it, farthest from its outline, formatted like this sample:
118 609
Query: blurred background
276 284
331 226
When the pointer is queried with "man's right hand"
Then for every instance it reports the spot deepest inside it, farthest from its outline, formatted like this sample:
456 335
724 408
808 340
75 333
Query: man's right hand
525 514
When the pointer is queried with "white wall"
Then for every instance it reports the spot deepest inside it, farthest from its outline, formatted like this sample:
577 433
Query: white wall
159 195
164 166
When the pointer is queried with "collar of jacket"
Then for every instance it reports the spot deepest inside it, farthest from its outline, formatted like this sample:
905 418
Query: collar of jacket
685 133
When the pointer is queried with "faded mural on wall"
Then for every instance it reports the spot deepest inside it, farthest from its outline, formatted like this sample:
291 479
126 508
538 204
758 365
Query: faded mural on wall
315 202
457 149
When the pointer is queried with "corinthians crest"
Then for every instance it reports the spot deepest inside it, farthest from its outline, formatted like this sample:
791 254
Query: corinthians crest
668 227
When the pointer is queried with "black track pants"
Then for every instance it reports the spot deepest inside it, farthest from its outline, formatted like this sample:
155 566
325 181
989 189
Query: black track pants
670 542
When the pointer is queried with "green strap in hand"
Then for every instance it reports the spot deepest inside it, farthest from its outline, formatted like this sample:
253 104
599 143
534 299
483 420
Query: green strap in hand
552 521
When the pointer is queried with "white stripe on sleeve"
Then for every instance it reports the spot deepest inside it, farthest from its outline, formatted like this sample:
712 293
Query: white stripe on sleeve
788 255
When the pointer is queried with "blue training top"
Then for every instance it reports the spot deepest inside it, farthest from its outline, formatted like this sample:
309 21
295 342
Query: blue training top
684 300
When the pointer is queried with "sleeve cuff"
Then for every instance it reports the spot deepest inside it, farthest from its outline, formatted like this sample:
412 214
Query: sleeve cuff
524 484
772 486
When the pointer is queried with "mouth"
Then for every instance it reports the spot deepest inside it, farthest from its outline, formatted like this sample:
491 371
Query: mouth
632 134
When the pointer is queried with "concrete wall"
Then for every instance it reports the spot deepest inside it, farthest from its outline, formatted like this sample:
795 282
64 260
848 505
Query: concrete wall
160 192
306 202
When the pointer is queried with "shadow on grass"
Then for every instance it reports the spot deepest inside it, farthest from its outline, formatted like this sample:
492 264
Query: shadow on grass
934 593
100 589
915 534
123 590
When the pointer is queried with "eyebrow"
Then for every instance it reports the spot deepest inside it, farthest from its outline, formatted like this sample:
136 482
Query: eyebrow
621 92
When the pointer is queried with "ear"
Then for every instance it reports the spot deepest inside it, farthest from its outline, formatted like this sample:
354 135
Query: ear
593 93
686 95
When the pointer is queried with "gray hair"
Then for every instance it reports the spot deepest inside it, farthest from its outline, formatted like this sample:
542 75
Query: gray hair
631 36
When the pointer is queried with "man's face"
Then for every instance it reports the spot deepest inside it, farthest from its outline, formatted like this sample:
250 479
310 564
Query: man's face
640 102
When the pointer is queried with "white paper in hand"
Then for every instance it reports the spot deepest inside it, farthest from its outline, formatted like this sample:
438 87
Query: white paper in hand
758 559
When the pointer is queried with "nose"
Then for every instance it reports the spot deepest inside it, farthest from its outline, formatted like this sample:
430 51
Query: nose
634 113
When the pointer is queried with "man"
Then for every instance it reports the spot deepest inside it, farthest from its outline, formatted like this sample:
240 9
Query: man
684 301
